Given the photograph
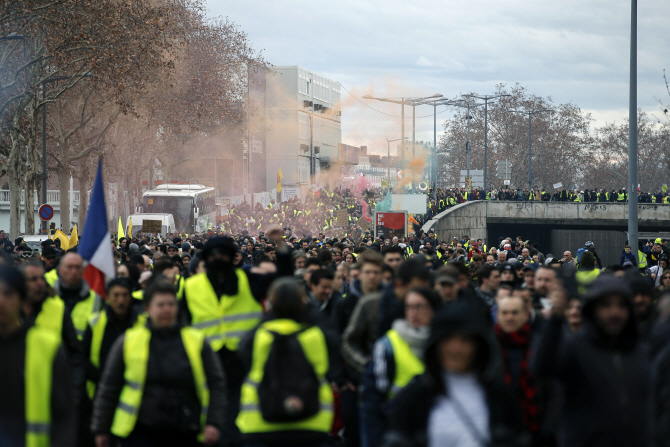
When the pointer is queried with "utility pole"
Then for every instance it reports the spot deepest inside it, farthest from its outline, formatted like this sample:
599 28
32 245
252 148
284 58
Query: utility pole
632 134
530 139
486 99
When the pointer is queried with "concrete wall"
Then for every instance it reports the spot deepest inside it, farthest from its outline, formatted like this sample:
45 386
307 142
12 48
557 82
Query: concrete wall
586 221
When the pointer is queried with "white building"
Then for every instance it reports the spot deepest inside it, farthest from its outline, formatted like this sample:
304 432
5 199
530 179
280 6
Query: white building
303 125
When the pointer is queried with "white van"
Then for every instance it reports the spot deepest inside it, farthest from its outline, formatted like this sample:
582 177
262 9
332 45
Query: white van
167 222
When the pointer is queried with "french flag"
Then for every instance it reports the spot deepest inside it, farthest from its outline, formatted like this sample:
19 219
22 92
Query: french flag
95 243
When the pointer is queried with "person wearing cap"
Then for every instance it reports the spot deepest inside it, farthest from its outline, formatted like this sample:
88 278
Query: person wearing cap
36 409
225 304
396 359
604 368
446 283
49 258
120 313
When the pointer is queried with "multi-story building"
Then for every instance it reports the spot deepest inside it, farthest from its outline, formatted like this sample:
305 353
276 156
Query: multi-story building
303 125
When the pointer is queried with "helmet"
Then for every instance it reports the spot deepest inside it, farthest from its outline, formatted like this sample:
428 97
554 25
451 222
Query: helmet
589 244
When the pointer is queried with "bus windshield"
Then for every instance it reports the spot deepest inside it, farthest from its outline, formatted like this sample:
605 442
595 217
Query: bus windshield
181 209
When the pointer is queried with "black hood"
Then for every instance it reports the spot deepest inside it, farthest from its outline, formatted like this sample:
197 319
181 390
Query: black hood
458 318
608 284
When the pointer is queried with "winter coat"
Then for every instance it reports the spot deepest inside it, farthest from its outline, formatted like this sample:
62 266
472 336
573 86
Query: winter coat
169 384
606 384
408 413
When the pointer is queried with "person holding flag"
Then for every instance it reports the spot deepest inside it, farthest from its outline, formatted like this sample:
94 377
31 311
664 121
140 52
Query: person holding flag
120 234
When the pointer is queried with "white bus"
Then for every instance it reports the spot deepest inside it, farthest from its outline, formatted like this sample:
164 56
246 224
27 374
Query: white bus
193 206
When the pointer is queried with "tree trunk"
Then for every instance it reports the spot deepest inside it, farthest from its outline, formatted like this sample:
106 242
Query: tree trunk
30 204
83 194
64 187
14 167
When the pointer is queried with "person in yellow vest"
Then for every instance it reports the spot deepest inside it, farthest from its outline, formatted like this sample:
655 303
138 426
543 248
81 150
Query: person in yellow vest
396 358
587 272
80 301
121 312
162 383
274 409
35 409
224 303
49 258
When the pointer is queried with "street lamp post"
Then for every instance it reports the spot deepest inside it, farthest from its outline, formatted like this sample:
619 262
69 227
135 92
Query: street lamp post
435 103
530 137
632 133
467 144
406 101
486 99
388 158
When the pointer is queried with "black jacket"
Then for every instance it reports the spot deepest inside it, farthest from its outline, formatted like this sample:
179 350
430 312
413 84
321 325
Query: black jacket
409 412
114 329
606 385
169 387
12 395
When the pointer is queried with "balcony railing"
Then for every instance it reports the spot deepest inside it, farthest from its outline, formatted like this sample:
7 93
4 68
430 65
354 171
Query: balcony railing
53 197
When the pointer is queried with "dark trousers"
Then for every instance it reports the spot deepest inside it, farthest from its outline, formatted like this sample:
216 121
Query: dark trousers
350 414
234 371
146 437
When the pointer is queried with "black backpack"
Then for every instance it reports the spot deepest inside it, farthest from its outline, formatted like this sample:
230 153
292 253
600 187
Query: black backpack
289 391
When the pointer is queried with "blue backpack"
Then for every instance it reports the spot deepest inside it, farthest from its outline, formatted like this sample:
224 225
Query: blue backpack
579 253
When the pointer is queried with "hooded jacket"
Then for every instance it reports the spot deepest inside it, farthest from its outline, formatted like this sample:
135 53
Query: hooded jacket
409 412
605 379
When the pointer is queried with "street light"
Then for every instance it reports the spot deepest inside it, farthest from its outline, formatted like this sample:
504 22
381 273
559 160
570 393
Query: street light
530 134
413 101
469 106
433 167
486 99
632 133
388 158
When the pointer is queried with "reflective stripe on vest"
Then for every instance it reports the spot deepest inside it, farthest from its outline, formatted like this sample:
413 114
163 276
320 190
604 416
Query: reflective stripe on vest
642 259
313 344
41 349
223 321
136 357
407 365
82 311
51 315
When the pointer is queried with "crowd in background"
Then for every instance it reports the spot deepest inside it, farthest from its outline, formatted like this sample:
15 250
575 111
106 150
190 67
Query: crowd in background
308 336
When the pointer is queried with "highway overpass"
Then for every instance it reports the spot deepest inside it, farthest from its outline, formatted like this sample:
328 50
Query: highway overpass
555 226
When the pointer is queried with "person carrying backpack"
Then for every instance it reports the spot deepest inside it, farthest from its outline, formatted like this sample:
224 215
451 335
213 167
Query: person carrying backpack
287 399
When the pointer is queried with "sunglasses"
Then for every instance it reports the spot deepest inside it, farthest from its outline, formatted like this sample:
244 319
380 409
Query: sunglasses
665 277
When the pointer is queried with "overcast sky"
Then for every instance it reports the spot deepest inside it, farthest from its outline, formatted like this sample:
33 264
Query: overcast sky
572 51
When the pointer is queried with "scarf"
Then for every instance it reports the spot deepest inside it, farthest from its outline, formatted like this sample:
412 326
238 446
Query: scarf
526 387
415 337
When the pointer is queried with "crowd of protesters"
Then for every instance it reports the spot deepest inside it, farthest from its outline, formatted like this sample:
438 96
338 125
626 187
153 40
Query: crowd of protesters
300 335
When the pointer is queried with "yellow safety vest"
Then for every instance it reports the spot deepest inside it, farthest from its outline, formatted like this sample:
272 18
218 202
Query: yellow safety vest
138 294
41 349
136 358
642 259
226 320
82 311
313 344
51 277
98 323
51 315
585 278
407 365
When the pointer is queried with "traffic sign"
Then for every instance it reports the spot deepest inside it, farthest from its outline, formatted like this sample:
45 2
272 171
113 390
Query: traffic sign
46 212
504 169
